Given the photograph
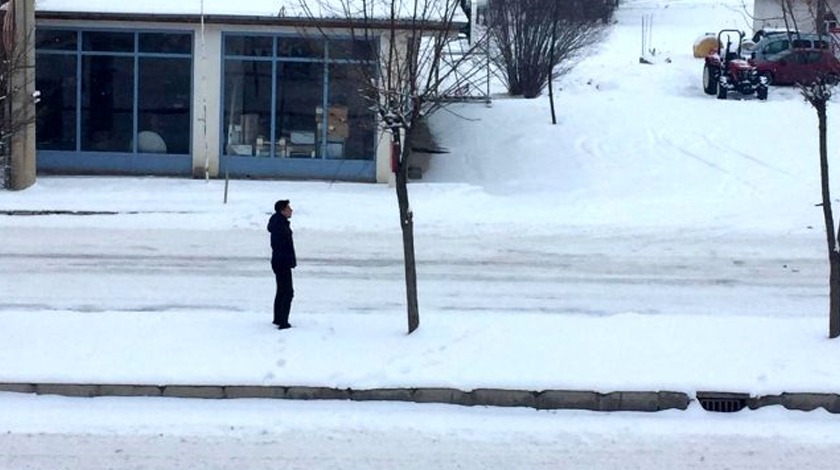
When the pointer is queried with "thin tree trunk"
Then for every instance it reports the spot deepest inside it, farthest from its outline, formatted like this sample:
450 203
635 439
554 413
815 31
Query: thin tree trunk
834 295
407 226
551 69
831 238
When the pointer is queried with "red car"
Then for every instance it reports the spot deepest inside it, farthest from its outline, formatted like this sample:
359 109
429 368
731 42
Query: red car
799 66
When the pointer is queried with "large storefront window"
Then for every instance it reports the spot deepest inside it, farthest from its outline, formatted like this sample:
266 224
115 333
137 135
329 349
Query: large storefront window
115 92
164 105
289 97
56 80
347 104
300 92
107 103
247 117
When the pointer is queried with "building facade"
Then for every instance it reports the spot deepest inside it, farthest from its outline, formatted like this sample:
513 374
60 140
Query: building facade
794 15
196 96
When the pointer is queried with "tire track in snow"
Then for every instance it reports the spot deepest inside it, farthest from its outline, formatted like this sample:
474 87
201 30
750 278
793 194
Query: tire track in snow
587 146
744 155
665 140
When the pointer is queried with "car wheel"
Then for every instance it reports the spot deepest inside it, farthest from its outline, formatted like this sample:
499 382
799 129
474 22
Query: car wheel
761 93
710 79
766 78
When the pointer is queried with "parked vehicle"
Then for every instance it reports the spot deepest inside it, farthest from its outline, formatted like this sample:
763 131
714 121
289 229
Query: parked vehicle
799 66
775 43
750 44
767 32
726 70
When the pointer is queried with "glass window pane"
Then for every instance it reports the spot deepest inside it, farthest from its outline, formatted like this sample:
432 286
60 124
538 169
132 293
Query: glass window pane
247 101
166 43
778 46
350 122
107 41
312 48
355 49
164 105
300 87
260 46
107 103
56 112
55 39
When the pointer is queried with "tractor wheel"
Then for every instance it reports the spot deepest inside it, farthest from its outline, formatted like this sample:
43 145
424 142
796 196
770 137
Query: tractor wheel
710 79
761 93
721 92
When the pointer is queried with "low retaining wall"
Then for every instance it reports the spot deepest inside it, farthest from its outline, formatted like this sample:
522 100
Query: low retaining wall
543 400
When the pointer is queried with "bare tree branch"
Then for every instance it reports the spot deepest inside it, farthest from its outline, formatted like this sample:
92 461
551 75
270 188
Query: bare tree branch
412 77
524 33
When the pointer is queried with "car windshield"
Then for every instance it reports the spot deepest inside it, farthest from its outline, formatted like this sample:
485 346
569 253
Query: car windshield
777 46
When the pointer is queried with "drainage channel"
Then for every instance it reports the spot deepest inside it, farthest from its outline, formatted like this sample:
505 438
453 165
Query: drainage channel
722 402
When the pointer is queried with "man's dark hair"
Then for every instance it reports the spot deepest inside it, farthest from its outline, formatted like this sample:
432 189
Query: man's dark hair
280 205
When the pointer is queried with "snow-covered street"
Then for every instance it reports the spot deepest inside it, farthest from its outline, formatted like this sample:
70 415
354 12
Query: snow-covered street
151 434
701 271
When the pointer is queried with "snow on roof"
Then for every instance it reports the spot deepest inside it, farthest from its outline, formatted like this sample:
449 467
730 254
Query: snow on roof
273 8
251 7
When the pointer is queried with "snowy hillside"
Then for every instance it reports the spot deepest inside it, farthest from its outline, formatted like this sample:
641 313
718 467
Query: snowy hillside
642 144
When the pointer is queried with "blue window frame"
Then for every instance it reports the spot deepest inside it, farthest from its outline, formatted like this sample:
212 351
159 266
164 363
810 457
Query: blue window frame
276 89
114 101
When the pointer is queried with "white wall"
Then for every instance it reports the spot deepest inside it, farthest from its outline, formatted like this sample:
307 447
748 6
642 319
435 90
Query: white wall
769 14
207 86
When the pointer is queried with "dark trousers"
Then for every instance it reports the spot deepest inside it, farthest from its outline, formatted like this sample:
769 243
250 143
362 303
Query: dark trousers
283 297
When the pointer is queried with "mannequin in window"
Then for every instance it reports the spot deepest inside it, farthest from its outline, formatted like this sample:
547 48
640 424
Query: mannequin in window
149 139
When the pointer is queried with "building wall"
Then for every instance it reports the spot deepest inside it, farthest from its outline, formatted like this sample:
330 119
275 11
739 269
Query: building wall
770 14
207 132
207 86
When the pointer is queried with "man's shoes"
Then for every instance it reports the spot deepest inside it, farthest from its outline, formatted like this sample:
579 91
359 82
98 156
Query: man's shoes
284 327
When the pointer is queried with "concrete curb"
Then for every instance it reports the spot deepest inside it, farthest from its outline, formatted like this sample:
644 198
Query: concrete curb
541 400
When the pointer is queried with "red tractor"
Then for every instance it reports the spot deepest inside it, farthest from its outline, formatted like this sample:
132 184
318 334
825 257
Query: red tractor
727 70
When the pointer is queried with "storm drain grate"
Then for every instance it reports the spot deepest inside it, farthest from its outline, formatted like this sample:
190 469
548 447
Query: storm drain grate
722 402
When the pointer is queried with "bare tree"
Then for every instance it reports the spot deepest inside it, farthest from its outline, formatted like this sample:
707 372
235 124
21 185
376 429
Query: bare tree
535 41
818 93
413 78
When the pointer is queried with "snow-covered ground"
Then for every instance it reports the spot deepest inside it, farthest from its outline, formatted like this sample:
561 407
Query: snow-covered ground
655 239
49 433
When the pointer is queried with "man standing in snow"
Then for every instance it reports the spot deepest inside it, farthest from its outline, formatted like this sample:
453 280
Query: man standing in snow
282 261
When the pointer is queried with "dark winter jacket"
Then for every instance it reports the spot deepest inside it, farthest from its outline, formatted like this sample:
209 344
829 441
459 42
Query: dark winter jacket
282 246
